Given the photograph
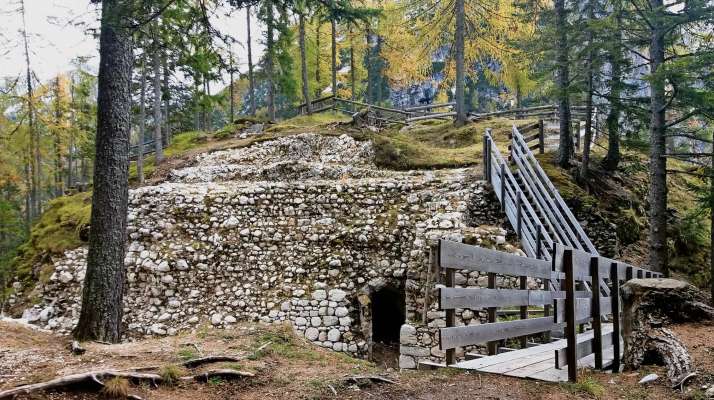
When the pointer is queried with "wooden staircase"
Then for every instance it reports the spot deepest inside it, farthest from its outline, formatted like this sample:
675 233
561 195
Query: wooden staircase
530 201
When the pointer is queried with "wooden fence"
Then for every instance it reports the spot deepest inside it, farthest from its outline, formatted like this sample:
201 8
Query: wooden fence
529 199
379 113
581 287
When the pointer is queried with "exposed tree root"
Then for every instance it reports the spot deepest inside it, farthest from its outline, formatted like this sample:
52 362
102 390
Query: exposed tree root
94 378
219 373
193 363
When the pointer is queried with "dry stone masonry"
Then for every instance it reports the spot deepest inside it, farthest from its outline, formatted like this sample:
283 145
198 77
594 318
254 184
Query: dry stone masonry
241 237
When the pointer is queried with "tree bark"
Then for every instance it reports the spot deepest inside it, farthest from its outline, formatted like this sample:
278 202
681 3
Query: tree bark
251 81
353 79
166 96
34 145
369 95
103 291
59 188
142 125
584 167
658 163
303 64
317 57
333 25
158 142
565 145
269 59
459 10
612 158
232 102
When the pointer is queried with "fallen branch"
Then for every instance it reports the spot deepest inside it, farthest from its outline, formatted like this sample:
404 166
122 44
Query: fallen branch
362 379
218 373
195 362
75 379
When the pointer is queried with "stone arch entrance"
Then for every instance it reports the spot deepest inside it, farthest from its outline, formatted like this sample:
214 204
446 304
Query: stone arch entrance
382 305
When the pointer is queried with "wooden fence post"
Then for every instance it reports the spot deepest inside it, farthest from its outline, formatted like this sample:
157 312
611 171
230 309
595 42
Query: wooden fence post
628 274
639 273
570 327
539 241
503 187
595 311
487 158
541 137
450 313
615 297
492 346
519 214
524 310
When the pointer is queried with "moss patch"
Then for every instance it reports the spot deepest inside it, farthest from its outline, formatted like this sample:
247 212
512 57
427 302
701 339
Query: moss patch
436 144
301 122
63 226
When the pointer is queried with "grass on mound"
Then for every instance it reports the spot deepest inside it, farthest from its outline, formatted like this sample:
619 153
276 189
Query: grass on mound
437 144
305 123
61 227
180 143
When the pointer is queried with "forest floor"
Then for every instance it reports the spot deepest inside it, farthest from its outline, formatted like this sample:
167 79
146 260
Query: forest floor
290 368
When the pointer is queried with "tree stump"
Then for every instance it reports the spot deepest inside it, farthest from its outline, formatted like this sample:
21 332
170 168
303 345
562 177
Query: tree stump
649 305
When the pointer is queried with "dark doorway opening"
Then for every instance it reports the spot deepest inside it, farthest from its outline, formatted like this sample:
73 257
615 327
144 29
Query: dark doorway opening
387 315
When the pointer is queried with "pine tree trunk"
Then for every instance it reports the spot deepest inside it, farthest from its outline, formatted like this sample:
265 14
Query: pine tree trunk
658 163
565 146
317 57
166 95
103 291
369 95
34 163
142 126
612 158
459 61
584 167
250 66
333 25
158 143
303 65
59 189
353 79
232 102
209 109
269 60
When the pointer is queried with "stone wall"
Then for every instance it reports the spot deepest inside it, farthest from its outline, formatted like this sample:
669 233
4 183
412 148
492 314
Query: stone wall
212 249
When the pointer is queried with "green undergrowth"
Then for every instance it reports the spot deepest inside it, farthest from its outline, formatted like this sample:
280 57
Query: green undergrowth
621 199
180 143
63 226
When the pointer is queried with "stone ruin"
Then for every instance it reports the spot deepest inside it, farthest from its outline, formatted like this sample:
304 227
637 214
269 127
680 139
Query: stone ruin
303 229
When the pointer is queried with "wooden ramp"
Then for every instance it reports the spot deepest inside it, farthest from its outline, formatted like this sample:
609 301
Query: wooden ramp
536 362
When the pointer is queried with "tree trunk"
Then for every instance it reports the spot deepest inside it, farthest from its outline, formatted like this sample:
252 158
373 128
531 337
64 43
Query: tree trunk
209 108
317 57
584 167
269 60
649 306
303 65
612 158
658 163
250 66
232 102
565 146
333 25
459 61
369 95
103 291
59 187
142 126
34 163
353 79
166 95
158 143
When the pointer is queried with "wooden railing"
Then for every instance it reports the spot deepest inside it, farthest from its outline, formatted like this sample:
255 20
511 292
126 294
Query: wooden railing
380 113
594 298
529 199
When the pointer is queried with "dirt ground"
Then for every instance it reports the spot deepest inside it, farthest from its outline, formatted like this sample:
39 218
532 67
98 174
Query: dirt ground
290 368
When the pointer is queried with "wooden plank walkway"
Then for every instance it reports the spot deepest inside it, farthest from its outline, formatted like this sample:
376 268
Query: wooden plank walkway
536 362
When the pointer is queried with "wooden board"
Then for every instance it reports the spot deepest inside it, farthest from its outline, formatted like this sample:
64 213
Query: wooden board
473 258
483 298
453 337
584 348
